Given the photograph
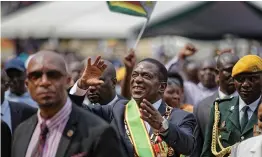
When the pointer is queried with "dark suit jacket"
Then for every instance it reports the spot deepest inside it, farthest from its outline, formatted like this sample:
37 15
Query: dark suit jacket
202 112
91 135
19 113
6 139
230 130
78 100
180 134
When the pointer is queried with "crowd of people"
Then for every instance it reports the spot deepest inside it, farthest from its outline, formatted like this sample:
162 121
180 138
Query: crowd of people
182 108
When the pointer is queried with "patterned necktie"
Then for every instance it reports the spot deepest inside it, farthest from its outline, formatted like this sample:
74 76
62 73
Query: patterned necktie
41 141
244 119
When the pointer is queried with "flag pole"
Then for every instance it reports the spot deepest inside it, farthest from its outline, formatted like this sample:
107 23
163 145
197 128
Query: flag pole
141 33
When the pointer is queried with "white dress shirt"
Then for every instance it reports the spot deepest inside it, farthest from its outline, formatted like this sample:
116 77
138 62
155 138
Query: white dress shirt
6 114
222 95
251 147
251 110
156 105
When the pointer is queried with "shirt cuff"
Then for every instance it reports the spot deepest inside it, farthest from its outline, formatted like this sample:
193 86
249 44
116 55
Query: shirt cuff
75 90
164 134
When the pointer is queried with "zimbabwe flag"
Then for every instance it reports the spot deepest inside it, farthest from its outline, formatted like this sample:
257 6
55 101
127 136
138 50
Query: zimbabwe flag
135 8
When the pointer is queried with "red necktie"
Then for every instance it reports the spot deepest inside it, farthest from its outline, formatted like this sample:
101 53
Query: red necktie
41 141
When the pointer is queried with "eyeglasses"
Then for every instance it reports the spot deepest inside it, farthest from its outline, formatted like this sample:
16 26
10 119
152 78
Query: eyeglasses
51 75
250 78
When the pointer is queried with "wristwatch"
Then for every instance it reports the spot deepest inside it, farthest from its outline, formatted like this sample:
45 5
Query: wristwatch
164 126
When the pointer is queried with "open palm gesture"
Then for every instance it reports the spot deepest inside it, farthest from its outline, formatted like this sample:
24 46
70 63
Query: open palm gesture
92 73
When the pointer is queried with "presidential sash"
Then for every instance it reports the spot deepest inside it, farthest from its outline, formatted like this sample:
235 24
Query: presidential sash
138 131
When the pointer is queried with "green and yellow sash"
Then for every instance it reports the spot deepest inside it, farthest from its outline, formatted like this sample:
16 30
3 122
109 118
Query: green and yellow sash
138 131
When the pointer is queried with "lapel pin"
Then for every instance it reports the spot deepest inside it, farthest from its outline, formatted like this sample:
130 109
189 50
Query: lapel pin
70 133
232 108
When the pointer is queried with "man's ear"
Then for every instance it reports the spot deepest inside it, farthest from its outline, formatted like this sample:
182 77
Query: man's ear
26 82
162 87
114 81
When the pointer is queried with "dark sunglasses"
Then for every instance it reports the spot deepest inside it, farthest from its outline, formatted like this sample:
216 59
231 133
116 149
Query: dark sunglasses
51 75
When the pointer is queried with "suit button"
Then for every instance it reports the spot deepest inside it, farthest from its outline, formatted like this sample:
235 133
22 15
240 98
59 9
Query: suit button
242 137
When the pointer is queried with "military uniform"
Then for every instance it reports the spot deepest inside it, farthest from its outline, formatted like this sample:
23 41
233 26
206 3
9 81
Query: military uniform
229 130
224 128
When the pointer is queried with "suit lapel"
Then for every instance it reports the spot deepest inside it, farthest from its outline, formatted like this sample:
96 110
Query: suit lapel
68 133
26 137
162 108
234 113
162 111
16 115
119 112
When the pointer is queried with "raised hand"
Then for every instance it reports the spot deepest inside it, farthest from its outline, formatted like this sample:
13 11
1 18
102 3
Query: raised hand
187 51
150 115
130 60
92 73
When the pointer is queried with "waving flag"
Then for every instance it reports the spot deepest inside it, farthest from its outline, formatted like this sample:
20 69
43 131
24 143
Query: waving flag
135 8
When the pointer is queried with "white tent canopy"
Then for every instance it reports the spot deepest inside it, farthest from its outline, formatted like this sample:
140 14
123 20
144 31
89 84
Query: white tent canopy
80 20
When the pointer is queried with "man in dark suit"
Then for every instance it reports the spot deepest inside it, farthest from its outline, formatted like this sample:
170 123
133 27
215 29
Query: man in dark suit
104 94
11 112
172 127
60 128
225 63
232 119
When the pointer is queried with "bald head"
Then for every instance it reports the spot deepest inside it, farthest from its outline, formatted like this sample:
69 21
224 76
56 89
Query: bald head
75 69
208 63
47 57
208 73
226 59
225 64
47 81
191 70
110 70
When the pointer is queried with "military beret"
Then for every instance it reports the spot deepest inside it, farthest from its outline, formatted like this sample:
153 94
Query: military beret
248 64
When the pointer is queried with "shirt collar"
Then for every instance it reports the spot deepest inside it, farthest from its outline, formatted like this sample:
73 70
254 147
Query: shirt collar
112 101
9 94
252 106
222 95
4 106
157 104
59 117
